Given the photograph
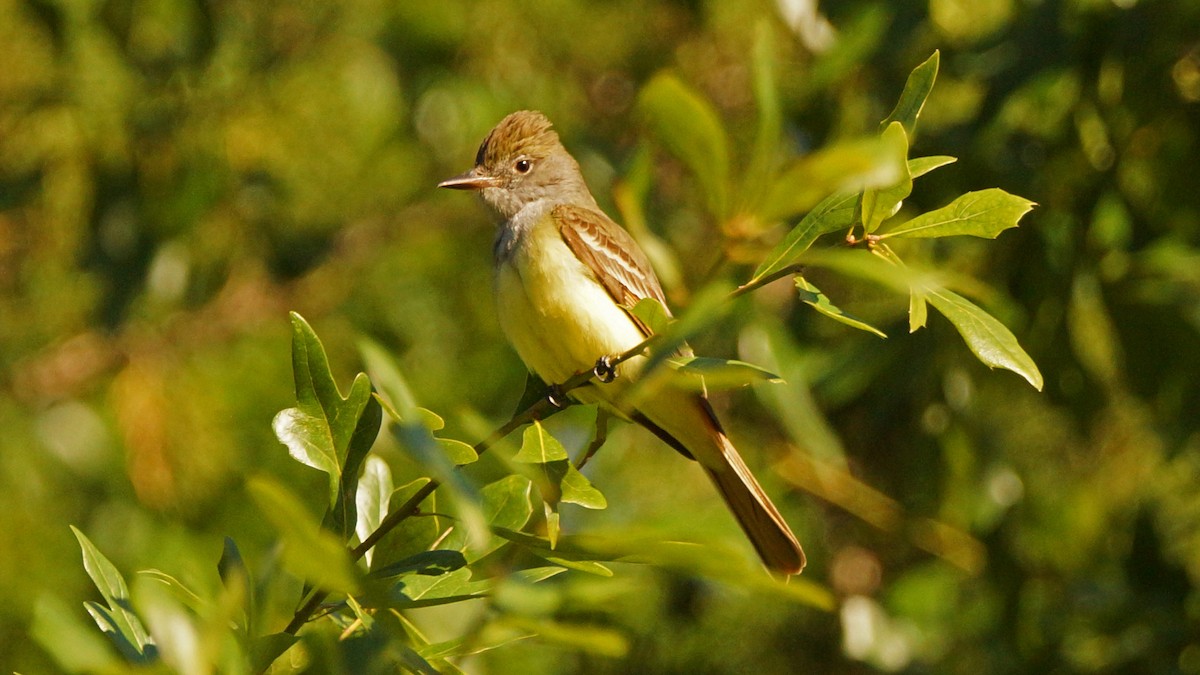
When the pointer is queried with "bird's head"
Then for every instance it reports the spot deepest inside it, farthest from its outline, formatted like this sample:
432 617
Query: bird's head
522 161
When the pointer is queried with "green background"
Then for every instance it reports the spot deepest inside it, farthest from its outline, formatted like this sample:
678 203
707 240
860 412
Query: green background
176 175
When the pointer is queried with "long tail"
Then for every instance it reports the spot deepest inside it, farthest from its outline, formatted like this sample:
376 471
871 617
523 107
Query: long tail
759 518
691 427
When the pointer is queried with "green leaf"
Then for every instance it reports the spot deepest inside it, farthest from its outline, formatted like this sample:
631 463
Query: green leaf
309 552
458 452
880 204
919 166
846 166
688 126
181 592
372 499
569 556
652 313
703 373
833 213
325 430
117 620
918 310
985 213
420 590
538 446
552 523
558 479
987 338
812 296
578 490
912 99
507 503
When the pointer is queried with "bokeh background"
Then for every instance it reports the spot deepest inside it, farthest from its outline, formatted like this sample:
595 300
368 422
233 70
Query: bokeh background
175 175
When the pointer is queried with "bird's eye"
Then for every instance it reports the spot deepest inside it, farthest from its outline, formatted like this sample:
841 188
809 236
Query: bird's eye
523 165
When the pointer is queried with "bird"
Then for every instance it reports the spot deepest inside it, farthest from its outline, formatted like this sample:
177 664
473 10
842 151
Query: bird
566 277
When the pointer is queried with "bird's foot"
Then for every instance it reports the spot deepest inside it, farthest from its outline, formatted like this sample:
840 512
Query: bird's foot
557 397
604 370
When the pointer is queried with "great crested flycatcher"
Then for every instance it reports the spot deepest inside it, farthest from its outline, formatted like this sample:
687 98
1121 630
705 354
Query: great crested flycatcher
565 276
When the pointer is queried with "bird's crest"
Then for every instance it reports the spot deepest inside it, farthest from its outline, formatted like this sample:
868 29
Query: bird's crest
525 132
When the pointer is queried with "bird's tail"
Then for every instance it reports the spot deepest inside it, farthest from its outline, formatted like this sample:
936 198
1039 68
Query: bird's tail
759 518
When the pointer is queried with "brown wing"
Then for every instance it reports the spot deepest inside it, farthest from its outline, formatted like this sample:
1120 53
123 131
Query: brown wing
611 254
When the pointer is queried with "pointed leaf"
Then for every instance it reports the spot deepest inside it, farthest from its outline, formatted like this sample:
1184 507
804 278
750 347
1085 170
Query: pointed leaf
325 430
846 166
833 213
552 523
372 499
577 489
985 213
987 338
690 129
419 590
125 624
702 373
507 503
458 452
652 313
883 203
538 446
916 91
919 166
813 297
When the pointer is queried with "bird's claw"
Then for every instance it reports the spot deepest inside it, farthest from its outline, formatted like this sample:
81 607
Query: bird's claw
556 396
604 370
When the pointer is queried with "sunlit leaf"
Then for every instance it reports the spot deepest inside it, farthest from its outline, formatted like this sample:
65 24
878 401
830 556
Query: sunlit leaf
421 590
372 498
325 430
507 502
117 619
458 452
309 552
916 91
686 124
846 166
181 592
879 204
652 314
987 338
919 166
712 374
985 213
578 490
538 446
833 213
813 297
552 522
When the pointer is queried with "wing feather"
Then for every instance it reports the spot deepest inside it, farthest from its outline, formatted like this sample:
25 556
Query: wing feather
612 255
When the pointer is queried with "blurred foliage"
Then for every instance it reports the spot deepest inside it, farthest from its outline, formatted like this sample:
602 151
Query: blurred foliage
175 176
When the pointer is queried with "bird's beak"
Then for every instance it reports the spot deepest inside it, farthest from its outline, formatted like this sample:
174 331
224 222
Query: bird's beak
471 180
